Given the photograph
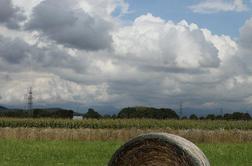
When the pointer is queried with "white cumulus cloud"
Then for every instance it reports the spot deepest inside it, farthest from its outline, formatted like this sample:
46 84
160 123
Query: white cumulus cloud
214 6
152 41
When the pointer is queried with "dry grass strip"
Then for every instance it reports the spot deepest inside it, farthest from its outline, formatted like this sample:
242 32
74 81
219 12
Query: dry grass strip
194 135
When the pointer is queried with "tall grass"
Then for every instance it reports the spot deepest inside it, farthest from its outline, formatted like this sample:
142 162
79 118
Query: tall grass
194 135
125 123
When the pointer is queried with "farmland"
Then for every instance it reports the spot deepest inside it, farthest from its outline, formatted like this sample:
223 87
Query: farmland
126 123
92 142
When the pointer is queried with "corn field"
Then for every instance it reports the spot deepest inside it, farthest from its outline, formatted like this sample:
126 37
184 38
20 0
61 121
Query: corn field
125 124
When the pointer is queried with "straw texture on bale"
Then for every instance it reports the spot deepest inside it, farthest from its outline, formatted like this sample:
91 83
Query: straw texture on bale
159 149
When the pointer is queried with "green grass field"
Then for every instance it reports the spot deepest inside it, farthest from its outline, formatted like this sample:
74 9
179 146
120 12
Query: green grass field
50 153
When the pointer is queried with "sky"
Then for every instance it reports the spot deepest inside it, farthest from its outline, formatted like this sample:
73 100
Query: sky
118 53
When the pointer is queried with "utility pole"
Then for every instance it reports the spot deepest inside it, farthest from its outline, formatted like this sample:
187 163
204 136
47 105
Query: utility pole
30 101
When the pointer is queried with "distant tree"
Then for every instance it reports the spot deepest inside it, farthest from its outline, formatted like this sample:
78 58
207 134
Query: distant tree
63 114
106 116
184 117
227 116
147 112
52 113
219 117
114 116
246 116
237 116
92 114
202 118
240 116
18 113
193 117
211 117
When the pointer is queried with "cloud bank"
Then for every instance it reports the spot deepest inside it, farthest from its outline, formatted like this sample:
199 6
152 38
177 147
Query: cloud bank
10 16
80 52
66 23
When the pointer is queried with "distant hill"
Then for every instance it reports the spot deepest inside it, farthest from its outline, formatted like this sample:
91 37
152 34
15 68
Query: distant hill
3 108
148 112
92 114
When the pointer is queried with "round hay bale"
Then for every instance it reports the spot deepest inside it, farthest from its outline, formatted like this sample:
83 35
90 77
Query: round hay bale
159 149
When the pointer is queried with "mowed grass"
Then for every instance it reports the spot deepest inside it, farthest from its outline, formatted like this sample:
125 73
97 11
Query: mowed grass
228 154
51 153
98 153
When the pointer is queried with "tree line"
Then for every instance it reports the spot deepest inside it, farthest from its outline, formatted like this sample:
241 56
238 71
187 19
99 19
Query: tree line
37 113
137 112
125 113
163 113
228 116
